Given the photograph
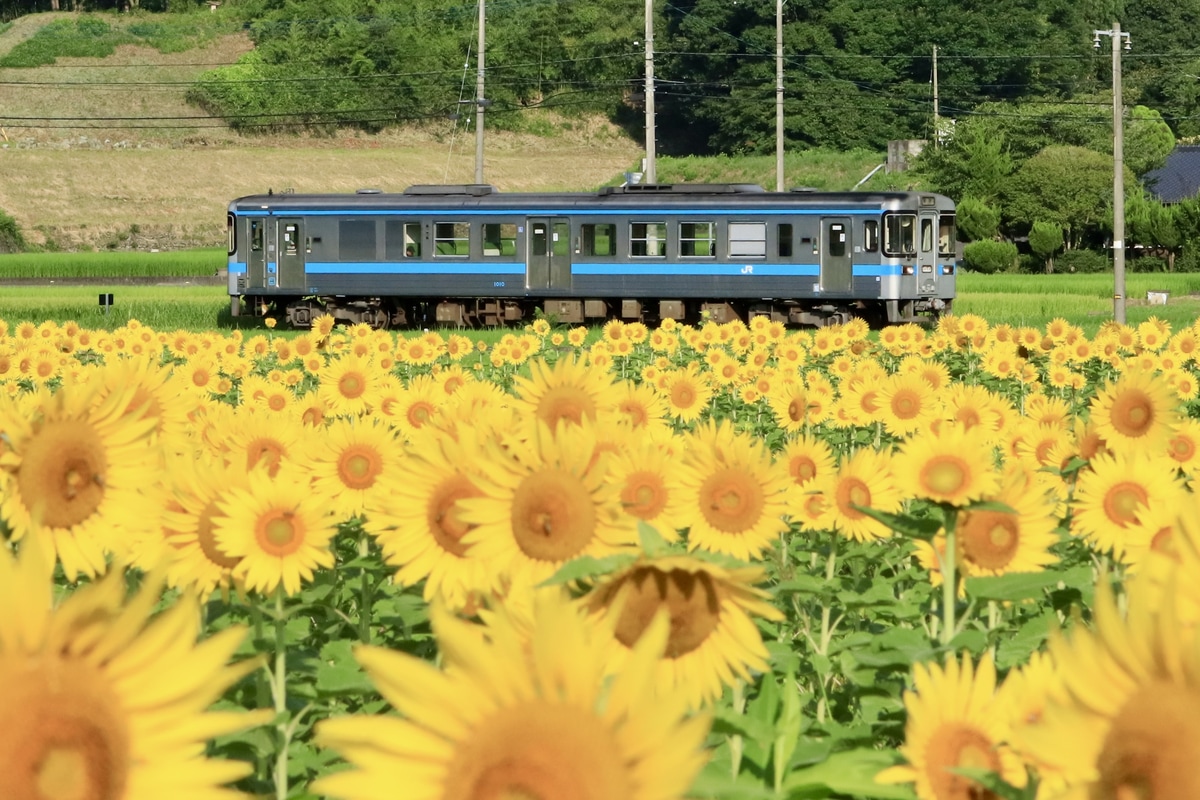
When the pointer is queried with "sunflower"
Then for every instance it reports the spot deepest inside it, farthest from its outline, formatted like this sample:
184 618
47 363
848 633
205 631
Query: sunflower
1126 724
518 715
415 406
349 385
347 462
253 438
154 395
649 484
789 403
569 390
810 462
732 496
864 480
277 529
954 721
188 524
101 702
1137 411
545 502
75 470
1184 444
417 518
952 465
1024 695
713 639
906 404
1115 490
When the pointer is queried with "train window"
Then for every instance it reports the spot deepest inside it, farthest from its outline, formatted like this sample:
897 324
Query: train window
231 231
899 234
747 239
697 239
599 239
785 240
401 239
926 234
256 234
871 236
452 238
500 239
648 239
837 240
291 239
356 240
946 237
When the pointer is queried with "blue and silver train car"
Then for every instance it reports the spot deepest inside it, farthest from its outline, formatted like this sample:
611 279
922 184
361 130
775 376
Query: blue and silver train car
470 255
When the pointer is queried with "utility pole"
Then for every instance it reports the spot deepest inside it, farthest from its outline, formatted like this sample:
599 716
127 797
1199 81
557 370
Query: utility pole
1118 169
937 130
651 170
779 95
479 101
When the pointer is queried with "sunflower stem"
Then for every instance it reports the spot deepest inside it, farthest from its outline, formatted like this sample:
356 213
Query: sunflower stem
279 687
365 599
949 578
736 744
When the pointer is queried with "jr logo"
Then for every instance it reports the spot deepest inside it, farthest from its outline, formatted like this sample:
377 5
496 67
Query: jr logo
748 269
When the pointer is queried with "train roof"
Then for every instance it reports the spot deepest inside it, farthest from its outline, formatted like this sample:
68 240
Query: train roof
634 196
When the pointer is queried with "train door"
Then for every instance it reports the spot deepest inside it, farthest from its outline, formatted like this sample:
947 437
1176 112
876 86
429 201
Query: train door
292 249
548 258
927 229
256 255
837 272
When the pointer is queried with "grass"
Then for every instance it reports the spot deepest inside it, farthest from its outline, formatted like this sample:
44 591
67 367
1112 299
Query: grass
55 266
164 308
826 170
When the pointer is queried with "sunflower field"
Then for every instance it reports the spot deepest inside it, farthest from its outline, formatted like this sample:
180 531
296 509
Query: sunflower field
717 561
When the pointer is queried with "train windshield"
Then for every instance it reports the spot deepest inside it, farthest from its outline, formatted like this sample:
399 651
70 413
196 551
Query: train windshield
900 234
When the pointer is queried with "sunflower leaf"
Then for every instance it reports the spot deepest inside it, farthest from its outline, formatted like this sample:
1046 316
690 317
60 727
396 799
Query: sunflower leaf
1013 586
849 772
995 784
587 568
653 544
904 524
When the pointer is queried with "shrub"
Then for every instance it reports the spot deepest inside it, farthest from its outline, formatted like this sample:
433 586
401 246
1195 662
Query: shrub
1083 261
977 220
11 239
990 256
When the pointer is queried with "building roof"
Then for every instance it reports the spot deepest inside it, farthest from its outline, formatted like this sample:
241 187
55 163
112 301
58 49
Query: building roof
1179 178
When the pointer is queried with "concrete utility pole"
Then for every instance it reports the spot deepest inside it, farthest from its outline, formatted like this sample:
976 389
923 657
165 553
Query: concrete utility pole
937 130
651 169
779 95
1118 169
479 101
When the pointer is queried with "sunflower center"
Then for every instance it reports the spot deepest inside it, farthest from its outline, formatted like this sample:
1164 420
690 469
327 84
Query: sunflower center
267 451
359 466
644 495
420 413
1132 413
731 501
1182 449
1153 746
443 518
955 746
207 540
279 533
62 473
570 403
539 750
277 402
944 476
634 412
351 385
796 409
989 538
1122 501
691 599
1162 542
906 404
852 492
803 469
683 395
553 517
67 736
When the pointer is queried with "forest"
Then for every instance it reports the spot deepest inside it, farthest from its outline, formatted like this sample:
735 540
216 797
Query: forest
1023 135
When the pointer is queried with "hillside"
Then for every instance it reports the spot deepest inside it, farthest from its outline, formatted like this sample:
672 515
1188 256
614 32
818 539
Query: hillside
95 182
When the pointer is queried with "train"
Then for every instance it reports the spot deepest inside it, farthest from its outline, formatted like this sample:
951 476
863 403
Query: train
471 256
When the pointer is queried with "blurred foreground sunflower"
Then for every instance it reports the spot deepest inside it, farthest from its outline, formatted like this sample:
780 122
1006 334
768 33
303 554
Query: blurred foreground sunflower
101 702
516 718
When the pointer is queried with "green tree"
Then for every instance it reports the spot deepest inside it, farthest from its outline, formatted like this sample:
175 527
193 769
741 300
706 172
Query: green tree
974 163
990 256
976 220
1068 186
1046 239
1154 226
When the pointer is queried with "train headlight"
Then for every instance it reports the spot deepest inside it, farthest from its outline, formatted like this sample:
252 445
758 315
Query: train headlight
947 269
908 269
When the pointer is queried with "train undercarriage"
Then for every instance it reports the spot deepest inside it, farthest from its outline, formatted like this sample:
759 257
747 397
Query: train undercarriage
384 313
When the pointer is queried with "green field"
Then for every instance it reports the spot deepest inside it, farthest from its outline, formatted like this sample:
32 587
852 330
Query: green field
1084 300
205 262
